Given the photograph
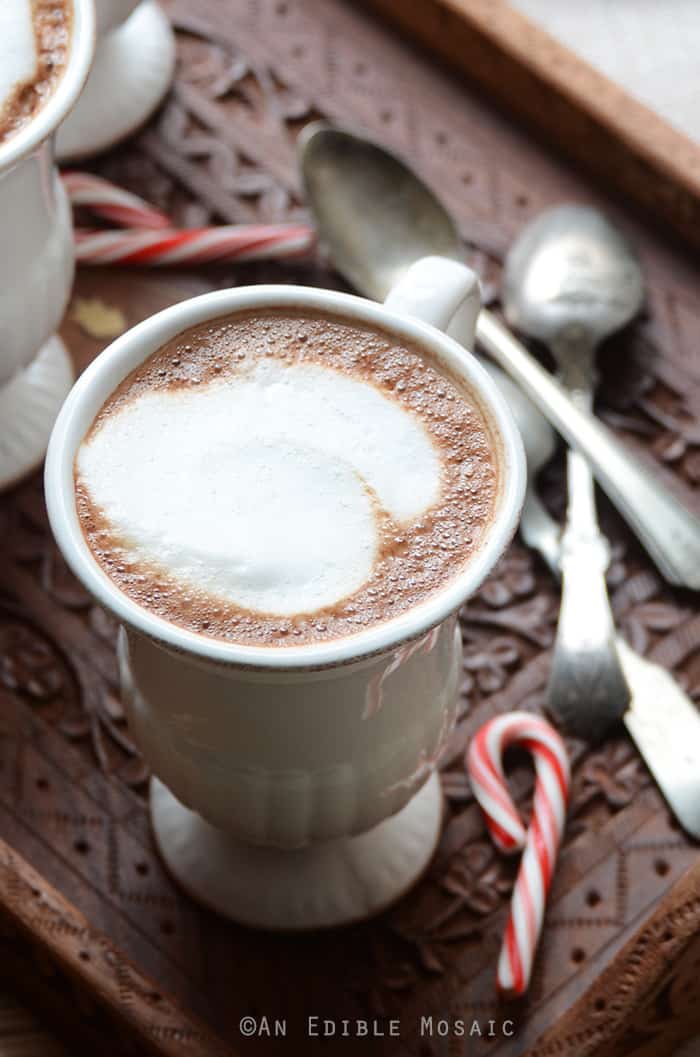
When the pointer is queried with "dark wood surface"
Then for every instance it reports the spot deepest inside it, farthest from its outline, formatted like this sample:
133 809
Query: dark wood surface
72 786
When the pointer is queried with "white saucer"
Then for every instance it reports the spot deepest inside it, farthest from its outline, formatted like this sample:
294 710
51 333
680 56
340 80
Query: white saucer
29 404
328 884
133 70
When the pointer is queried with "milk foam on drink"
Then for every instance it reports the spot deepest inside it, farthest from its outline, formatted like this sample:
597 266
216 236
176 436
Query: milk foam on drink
18 57
269 489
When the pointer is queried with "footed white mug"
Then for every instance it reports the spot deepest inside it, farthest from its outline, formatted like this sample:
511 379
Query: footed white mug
295 787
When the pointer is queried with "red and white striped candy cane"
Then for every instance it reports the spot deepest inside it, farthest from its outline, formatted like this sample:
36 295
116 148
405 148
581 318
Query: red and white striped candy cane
105 199
540 843
147 235
179 246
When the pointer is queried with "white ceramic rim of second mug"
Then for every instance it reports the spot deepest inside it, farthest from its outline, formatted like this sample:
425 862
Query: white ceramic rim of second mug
64 97
104 374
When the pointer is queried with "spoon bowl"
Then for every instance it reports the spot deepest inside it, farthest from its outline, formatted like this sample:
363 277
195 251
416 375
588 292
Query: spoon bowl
349 182
571 272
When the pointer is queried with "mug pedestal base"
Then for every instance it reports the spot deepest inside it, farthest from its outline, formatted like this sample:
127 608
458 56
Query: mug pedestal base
133 70
334 883
29 404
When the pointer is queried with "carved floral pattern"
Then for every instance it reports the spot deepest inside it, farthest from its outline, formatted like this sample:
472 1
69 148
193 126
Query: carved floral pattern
222 149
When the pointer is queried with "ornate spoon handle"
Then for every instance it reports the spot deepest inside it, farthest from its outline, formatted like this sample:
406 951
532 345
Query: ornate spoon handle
587 689
668 530
661 719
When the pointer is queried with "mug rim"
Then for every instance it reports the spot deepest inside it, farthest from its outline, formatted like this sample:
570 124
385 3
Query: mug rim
62 100
129 350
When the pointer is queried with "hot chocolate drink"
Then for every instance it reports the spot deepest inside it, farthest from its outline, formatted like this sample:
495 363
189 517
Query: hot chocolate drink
281 477
34 46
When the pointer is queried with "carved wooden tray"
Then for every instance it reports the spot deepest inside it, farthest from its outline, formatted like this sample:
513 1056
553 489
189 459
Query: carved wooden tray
93 930
583 113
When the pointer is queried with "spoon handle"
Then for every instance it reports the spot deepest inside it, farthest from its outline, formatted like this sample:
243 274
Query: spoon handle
587 691
661 719
668 530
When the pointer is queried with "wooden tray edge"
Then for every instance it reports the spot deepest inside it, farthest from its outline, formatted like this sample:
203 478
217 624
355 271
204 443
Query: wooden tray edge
594 121
601 1022
80 982
91 993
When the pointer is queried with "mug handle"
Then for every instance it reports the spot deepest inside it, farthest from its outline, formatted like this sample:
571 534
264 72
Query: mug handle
442 292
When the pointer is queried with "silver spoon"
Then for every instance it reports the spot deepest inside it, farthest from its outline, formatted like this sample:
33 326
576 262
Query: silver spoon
377 217
661 719
571 280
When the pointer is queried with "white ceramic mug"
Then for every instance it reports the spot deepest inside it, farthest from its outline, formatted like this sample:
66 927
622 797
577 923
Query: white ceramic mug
288 759
133 69
36 268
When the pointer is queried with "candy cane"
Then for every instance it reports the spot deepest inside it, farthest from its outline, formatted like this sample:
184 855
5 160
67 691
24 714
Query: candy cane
541 842
148 237
106 200
177 246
